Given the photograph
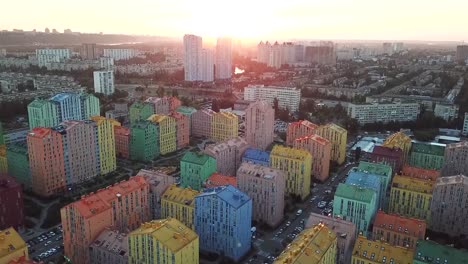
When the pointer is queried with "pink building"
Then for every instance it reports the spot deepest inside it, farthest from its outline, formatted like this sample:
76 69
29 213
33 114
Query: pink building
299 129
46 161
320 149
182 129
201 123
217 179
266 187
228 154
174 102
259 124
122 141
161 106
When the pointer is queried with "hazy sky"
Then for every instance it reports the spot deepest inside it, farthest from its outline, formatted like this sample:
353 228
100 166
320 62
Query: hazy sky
252 19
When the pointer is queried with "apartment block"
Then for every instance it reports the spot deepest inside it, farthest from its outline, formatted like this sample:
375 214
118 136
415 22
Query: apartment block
88 51
161 105
399 140
195 168
12 246
368 181
188 112
104 82
11 202
411 197
76 106
18 164
320 149
383 112
140 111
48 55
120 54
390 156
192 57
223 58
398 230
122 206
288 97
167 132
420 173
377 252
144 141
427 155
122 142
465 125
259 124
455 159
296 163
345 234
182 129
216 180
448 112
106 141
201 123
355 204
223 218
172 242
314 245
266 187
299 129
110 247
224 125
430 252
179 203
158 182
338 138
380 169
3 159
256 156
228 154
42 113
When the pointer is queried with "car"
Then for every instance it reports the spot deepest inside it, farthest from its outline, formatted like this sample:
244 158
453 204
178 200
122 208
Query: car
288 223
327 191
321 204
299 212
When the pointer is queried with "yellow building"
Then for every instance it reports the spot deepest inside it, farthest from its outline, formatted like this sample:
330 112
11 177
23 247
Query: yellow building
399 140
163 241
179 203
315 245
338 137
106 142
167 132
224 125
12 246
3 159
297 163
377 252
411 197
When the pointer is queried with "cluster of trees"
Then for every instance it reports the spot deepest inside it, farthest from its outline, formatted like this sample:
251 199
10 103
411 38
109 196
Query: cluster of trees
9 110
148 58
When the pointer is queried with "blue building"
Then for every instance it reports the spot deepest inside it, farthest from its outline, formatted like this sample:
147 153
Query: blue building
369 181
69 106
256 156
223 218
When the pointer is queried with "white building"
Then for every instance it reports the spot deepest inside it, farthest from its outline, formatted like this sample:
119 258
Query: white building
224 58
206 67
289 53
45 56
276 56
381 112
107 63
104 82
120 54
465 125
288 97
192 57
447 112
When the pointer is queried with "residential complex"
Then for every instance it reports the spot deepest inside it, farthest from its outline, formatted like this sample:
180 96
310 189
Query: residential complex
144 141
429 252
337 137
223 221
266 187
383 112
195 168
166 126
110 247
120 54
259 123
179 203
158 182
256 156
106 143
224 125
299 129
427 155
288 97
320 149
297 164
401 141
223 58
201 123
140 111
228 155
12 246
46 56
104 82
42 113
456 159
380 169
377 252
122 142
172 242
369 181
11 203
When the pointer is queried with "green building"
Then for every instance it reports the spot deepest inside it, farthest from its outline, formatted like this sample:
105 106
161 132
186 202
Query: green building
144 141
187 111
43 113
140 111
90 105
195 168
430 252
427 155
382 170
2 141
355 204
18 163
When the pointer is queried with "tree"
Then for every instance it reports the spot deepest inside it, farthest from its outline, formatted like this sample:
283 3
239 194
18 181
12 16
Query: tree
175 93
140 89
160 91
357 154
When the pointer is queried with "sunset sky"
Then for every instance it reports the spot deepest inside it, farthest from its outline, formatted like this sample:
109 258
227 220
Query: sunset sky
249 19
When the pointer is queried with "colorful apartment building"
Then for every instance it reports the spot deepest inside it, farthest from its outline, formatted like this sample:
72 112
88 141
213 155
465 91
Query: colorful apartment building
314 245
411 197
75 106
427 155
379 169
228 154
140 111
11 203
122 142
179 203
110 247
195 168
266 187
378 252
124 206
171 240
345 234
398 230
158 181
299 129
106 141
390 156
355 204
256 156
369 181
320 149
90 106
3 159
259 124
43 113
217 179
144 141
297 163
201 123
12 246
167 132
223 218
224 126
182 129
338 138
161 105
430 252
425 174
174 103
448 213
18 164
399 140
46 161
456 159
188 112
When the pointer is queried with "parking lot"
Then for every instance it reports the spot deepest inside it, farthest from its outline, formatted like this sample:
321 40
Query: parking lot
47 246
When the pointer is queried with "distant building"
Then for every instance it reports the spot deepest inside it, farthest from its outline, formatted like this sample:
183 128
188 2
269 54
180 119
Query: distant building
429 252
201 123
216 180
320 53
383 112
259 124
45 56
12 246
166 127
224 126
122 142
320 149
256 156
179 203
377 252
427 155
206 66
161 105
299 129
462 53
106 63
456 159
144 141
158 182
448 112
192 57
110 247
120 54
228 155
104 82
195 168
88 51
11 203
223 58
338 138
465 125
288 97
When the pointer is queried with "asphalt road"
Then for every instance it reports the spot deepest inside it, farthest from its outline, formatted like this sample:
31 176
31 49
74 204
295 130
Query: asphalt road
49 241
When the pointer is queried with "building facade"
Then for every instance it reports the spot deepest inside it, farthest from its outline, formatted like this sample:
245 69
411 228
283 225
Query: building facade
429 252
18 164
179 203
106 142
46 56
393 157
192 57
42 113
380 112
299 129
201 123
228 155
195 168
456 159
415 172
368 181
110 247
12 246
120 54
182 129
11 203
465 125
122 142
206 66
140 111
223 58
337 137
144 141
320 149
224 126
216 180
259 124
104 82
427 155
288 97
377 252
448 112
188 112
167 132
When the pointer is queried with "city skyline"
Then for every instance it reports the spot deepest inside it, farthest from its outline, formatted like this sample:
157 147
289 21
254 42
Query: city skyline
336 19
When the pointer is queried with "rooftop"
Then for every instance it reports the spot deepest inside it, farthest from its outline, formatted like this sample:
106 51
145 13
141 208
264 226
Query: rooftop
343 229
421 173
227 115
434 253
39 132
412 184
186 110
256 86
260 171
257 154
112 241
336 128
100 119
217 179
380 252
428 148
397 139
458 179
401 224
196 158
354 192
316 138
7 182
305 123
227 193
184 196
38 103
375 168
362 179
10 241
156 118
291 153
62 96
388 151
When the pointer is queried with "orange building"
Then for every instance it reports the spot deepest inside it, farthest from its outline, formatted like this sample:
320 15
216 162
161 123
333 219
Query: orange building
420 173
122 142
217 179
320 149
46 161
299 129
122 206
182 129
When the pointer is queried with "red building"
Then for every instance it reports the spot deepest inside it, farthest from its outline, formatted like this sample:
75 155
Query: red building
420 173
217 179
390 156
122 142
182 129
11 203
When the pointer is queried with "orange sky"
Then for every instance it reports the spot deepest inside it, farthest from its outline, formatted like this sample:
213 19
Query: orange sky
249 19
